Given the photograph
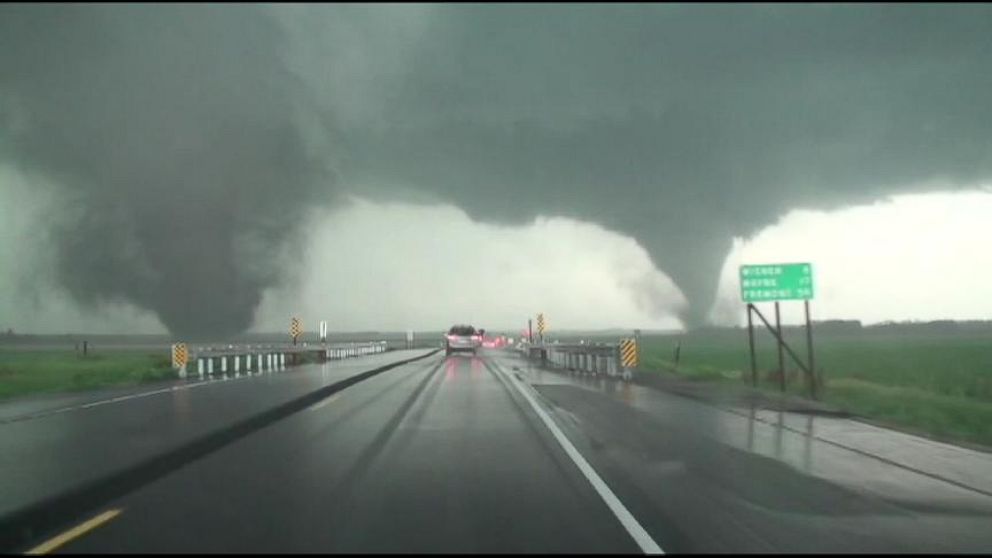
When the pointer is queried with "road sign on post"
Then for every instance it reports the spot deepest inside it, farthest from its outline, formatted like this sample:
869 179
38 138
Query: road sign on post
540 326
628 356
773 282
628 353
295 328
179 357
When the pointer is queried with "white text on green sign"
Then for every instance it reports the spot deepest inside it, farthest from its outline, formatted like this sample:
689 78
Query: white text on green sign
769 282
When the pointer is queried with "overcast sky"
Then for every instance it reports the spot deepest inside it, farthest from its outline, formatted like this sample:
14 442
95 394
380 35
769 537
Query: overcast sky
176 162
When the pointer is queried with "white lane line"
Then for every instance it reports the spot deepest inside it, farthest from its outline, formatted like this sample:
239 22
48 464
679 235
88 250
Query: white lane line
92 404
627 519
139 395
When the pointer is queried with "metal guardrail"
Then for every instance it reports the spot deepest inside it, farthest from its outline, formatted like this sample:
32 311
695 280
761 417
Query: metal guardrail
599 359
206 360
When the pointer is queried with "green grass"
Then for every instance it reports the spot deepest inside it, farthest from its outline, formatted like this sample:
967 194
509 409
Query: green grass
938 384
31 372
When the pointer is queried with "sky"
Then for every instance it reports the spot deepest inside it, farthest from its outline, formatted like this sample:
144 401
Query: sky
911 257
180 157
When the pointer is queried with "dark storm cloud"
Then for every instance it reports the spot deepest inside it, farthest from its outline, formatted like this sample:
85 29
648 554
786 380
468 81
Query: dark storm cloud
188 146
178 137
682 125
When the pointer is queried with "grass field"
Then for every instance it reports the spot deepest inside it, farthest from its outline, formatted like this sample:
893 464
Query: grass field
938 384
30 372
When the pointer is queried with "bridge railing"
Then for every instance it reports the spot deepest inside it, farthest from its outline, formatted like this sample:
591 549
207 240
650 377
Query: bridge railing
599 359
211 359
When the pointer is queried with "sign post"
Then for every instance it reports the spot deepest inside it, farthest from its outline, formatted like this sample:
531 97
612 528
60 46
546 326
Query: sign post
775 283
637 344
540 326
409 339
322 329
809 351
750 340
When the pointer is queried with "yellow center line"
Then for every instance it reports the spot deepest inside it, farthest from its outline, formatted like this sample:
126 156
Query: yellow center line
74 533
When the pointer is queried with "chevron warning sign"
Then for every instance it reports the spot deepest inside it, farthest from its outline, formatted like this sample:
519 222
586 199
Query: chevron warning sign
179 355
628 353
540 323
295 328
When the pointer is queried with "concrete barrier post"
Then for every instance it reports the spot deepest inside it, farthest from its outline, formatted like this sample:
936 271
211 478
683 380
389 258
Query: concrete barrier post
248 362
223 364
199 366
282 360
260 362
210 365
237 364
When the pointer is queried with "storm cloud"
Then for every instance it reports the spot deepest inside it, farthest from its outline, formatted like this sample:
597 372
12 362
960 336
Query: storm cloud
191 139
180 142
682 126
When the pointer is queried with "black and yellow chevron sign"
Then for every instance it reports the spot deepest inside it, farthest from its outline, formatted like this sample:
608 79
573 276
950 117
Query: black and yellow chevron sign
628 353
179 355
295 328
540 323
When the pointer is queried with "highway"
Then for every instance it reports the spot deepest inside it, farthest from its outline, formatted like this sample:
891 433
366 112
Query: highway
491 454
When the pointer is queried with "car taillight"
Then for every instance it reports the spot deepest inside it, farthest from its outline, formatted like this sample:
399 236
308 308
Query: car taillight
477 338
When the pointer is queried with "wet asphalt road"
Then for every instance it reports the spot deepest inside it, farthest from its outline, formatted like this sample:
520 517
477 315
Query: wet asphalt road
53 444
439 455
446 455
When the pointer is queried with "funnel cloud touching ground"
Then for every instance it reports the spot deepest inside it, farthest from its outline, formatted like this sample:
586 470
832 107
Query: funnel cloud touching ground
175 135
680 126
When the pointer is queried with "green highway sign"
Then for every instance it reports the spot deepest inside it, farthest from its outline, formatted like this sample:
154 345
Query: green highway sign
769 282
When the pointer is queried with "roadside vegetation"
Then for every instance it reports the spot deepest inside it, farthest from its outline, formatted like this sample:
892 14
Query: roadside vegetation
32 372
938 384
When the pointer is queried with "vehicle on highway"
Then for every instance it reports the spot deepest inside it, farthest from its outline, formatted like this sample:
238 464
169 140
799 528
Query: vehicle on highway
462 338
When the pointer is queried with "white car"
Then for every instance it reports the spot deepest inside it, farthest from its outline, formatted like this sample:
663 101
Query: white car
462 338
